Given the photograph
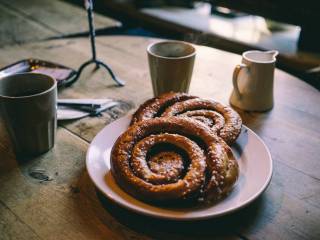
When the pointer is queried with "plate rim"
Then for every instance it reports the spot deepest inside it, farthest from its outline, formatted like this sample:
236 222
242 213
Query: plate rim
182 218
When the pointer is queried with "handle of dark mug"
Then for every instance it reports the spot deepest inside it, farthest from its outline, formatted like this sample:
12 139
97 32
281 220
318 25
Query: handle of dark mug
235 78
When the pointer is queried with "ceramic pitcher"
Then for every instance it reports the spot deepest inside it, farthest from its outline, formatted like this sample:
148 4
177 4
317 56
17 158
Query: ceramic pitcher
253 81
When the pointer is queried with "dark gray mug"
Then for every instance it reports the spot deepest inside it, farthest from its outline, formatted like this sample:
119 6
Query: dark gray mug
171 66
28 108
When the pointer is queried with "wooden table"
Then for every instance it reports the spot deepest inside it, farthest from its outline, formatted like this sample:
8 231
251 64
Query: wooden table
52 197
34 20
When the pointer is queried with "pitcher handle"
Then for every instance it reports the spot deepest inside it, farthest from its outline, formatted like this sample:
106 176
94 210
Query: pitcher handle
235 78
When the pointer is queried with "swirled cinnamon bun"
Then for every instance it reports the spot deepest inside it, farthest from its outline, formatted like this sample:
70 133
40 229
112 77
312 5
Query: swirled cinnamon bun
173 158
155 106
222 120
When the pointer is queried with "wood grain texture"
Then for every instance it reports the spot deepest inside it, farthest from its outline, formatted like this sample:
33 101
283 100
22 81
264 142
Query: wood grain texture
24 21
15 29
63 206
69 205
11 226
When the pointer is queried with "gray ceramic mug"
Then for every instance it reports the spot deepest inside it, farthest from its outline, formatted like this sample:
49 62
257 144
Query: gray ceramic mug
28 109
171 66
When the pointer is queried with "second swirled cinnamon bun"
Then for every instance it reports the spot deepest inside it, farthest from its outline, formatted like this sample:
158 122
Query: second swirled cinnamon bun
222 120
173 158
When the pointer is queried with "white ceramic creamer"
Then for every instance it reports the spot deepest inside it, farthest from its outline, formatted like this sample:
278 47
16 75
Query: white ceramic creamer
253 81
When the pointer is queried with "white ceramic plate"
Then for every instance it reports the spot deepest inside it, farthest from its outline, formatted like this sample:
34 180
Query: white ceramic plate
255 174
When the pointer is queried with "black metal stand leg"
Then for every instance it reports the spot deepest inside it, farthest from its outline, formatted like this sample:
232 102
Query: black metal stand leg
78 73
97 63
89 7
92 32
81 68
117 80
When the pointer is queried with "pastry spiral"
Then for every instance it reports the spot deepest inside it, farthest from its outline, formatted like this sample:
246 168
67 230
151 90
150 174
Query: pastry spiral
155 106
222 120
173 158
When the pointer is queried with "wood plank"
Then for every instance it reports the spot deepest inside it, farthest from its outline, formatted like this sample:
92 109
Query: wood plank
275 215
58 207
13 227
59 15
154 229
23 21
280 213
15 29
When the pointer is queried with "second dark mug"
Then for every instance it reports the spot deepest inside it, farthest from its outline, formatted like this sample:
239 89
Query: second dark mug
28 108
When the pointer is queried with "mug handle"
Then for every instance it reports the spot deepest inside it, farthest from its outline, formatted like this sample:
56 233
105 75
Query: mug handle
235 78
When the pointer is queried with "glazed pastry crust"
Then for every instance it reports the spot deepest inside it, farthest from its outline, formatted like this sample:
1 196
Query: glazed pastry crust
210 172
226 122
222 120
155 106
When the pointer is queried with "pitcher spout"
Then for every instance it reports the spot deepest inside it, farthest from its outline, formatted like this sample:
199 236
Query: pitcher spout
273 53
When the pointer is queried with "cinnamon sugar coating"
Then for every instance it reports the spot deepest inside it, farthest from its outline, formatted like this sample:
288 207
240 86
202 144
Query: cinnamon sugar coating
222 120
207 169
155 106
227 122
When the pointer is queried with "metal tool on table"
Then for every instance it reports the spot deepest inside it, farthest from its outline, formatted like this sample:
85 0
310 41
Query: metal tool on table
69 109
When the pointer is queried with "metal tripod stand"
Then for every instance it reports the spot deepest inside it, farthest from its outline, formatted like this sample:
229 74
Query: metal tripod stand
98 63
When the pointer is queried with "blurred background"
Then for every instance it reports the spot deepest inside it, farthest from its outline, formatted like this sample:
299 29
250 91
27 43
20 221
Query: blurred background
291 27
